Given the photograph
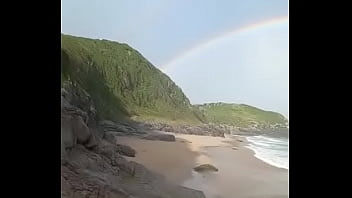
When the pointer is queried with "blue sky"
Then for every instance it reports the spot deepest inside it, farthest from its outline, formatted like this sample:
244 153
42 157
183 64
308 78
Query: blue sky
250 67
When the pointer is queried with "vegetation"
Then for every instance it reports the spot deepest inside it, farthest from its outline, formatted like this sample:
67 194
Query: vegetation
240 115
121 81
123 84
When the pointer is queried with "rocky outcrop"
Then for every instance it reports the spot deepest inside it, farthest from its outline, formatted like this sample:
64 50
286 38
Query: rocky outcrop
103 172
212 129
92 164
206 168
161 137
79 98
121 129
126 150
205 129
74 129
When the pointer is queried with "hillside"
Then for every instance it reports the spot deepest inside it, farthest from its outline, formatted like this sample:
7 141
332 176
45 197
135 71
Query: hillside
121 82
241 115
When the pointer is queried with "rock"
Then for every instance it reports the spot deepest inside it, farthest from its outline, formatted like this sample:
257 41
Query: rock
205 168
110 137
81 130
205 129
240 140
92 143
161 137
92 164
108 125
68 138
75 131
126 150
234 148
80 99
104 173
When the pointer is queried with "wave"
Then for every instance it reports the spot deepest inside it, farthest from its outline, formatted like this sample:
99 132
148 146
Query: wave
273 151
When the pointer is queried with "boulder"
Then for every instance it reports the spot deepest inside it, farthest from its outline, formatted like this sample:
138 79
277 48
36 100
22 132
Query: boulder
126 150
110 137
108 125
81 130
206 168
68 138
91 143
74 131
161 137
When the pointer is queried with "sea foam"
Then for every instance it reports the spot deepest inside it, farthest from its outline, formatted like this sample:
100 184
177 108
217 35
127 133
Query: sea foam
273 151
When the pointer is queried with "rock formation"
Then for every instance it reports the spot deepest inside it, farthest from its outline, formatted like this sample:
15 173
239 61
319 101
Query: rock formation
92 164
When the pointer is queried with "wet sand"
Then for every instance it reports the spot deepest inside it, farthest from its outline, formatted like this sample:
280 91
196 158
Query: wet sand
240 174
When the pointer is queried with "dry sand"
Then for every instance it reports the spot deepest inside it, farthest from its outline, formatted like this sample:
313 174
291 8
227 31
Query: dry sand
240 174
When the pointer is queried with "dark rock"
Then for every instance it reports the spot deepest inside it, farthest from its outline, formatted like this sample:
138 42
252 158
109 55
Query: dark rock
205 168
126 150
68 138
110 137
205 129
111 126
91 143
161 137
81 130
92 164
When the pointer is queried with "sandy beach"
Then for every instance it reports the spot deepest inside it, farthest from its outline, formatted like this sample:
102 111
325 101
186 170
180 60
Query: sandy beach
240 174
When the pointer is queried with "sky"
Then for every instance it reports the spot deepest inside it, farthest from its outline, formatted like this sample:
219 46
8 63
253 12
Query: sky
216 50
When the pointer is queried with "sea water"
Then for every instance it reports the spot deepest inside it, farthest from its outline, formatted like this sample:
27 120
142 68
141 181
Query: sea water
272 150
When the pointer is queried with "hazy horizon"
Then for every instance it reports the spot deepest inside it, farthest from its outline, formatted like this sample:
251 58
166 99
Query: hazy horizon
188 41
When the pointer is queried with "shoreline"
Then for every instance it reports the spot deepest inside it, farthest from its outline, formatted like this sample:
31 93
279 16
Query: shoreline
239 169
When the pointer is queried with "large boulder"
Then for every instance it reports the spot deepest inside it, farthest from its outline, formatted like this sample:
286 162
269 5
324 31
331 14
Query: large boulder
126 150
75 131
80 99
161 137
111 126
68 138
91 143
110 137
81 130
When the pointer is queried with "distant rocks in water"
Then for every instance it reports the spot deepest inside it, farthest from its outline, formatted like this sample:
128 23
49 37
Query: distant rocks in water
161 137
240 140
234 148
206 168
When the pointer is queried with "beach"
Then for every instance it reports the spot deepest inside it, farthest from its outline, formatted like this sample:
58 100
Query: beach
240 173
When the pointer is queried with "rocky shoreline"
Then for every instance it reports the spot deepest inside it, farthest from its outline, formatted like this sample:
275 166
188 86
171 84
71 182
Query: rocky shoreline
92 164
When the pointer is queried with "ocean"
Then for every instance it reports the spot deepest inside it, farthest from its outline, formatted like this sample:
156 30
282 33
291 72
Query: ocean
270 149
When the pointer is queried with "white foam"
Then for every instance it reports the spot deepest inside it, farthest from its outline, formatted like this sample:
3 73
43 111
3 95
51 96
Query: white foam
270 150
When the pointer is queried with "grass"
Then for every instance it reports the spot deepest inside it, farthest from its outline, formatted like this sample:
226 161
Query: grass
121 81
239 115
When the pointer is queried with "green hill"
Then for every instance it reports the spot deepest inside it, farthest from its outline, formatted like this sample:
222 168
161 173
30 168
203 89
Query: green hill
241 115
121 82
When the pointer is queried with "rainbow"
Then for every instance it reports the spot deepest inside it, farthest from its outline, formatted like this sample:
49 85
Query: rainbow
193 50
